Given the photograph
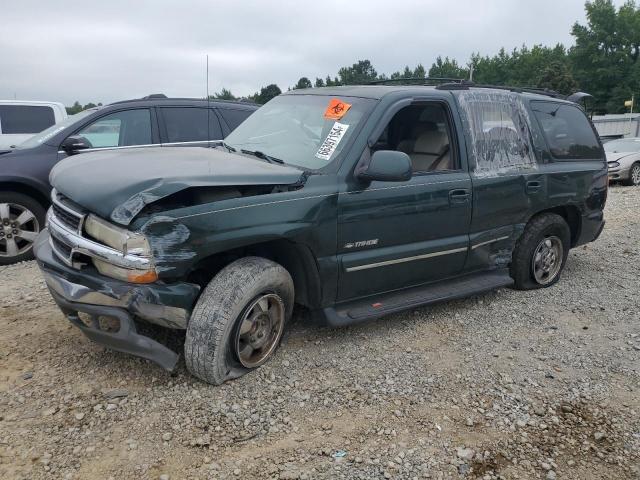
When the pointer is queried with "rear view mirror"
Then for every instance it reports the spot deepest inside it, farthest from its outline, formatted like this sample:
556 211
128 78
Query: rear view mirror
386 166
74 143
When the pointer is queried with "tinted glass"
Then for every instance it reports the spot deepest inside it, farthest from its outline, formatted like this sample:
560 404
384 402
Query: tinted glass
234 117
120 129
25 118
567 131
185 124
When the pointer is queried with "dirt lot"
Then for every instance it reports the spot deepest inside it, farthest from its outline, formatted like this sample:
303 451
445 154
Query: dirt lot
541 384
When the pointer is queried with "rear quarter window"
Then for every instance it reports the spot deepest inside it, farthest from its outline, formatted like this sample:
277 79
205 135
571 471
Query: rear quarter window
567 131
16 119
234 117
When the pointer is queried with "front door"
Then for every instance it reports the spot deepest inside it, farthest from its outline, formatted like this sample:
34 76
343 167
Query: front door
396 235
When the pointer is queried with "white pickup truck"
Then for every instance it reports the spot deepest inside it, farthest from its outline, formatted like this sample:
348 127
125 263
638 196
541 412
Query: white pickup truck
20 120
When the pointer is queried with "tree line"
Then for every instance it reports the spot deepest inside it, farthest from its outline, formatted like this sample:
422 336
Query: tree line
603 62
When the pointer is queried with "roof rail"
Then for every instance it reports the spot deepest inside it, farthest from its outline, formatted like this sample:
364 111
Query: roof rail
445 83
418 80
154 95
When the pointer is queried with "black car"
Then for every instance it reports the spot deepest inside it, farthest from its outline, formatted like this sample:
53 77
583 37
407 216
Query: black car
151 121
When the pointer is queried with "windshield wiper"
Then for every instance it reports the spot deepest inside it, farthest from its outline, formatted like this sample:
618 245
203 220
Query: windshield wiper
263 156
222 143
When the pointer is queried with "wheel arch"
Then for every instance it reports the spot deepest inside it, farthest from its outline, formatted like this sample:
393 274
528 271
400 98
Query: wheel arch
571 215
298 259
25 189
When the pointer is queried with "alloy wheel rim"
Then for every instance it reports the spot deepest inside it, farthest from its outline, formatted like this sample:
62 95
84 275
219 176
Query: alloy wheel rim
19 228
635 175
547 260
260 330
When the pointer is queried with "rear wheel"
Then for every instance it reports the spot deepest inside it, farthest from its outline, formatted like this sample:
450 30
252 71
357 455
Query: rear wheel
21 219
541 252
634 175
239 319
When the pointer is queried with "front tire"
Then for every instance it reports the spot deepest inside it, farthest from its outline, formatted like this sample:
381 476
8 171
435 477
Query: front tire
634 175
541 252
21 219
239 319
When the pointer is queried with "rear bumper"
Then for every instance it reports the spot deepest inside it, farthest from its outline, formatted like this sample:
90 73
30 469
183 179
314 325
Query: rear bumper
86 291
591 228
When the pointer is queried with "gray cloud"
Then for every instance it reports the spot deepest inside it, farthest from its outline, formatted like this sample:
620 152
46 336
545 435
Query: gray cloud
89 51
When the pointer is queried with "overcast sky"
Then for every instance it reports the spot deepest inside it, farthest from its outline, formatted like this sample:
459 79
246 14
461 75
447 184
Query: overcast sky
106 51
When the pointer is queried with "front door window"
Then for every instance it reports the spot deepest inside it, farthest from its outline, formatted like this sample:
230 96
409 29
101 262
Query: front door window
120 129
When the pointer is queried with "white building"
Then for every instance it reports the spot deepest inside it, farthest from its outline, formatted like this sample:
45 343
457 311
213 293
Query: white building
617 125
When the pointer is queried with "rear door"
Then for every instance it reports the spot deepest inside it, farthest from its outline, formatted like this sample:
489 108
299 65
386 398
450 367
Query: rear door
504 172
188 126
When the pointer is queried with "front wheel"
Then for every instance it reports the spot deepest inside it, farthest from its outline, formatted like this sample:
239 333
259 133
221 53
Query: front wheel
21 219
634 175
239 319
541 252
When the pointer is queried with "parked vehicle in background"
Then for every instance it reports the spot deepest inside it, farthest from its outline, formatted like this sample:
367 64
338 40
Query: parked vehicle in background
152 121
22 119
623 159
354 202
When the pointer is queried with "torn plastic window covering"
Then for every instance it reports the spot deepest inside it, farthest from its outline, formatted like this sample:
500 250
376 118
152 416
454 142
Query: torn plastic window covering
497 125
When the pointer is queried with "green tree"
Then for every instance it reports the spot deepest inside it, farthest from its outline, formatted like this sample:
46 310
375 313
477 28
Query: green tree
266 93
223 94
557 76
447 68
319 83
304 82
606 53
359 73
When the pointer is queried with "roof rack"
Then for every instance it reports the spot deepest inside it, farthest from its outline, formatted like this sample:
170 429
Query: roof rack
419 80
447 83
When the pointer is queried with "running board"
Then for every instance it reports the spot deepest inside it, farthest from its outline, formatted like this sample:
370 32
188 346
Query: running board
377 306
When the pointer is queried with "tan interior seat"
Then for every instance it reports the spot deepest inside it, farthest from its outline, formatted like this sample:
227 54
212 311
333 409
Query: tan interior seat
428 148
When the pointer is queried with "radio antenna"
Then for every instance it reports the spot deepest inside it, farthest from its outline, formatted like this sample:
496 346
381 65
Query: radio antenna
208 107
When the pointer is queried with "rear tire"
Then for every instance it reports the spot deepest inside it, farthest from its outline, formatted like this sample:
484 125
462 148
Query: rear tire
238 321
21 219
541 252
634 175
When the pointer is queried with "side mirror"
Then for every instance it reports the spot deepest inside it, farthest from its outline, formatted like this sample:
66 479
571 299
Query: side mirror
74 143
386 166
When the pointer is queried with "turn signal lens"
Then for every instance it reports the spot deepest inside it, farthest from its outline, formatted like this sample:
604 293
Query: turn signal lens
125 274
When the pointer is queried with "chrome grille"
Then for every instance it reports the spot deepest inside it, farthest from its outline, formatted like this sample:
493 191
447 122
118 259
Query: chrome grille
70 220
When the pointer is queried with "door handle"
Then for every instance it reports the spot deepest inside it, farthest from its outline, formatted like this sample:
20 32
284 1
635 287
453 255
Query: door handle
460 195
533 186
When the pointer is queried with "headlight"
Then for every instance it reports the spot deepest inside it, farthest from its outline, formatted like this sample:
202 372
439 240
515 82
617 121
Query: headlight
614 164
122 240
129 243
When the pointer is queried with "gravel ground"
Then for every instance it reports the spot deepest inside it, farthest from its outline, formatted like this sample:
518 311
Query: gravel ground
542 384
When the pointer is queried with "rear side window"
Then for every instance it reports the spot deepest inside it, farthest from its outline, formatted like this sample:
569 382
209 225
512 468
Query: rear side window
567 131
25 118
234 117
185 124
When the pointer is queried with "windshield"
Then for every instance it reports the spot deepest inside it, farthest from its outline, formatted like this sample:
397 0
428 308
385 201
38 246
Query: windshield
307 131
45 135
623 145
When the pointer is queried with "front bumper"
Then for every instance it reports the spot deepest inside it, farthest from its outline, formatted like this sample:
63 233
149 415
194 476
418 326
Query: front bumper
86 291
619 173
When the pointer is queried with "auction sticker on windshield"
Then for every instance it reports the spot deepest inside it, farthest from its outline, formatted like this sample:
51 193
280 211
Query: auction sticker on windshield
331 142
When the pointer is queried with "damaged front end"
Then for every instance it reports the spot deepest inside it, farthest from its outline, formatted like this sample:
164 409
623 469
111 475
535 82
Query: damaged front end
109 310
114 259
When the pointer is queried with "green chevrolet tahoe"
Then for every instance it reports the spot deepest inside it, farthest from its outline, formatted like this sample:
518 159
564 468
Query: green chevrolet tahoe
354 202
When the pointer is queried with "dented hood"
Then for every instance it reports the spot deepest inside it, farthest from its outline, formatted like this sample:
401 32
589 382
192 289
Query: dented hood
117 184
